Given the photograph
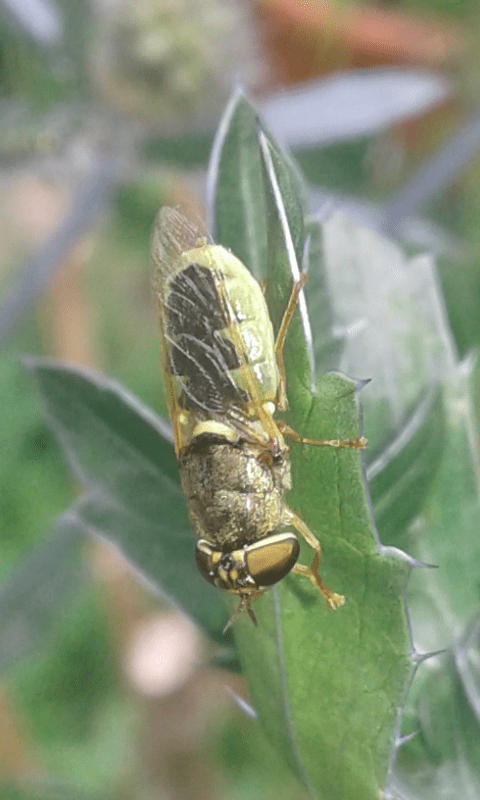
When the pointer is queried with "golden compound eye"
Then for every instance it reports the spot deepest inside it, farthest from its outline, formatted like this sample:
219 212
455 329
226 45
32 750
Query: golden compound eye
269 560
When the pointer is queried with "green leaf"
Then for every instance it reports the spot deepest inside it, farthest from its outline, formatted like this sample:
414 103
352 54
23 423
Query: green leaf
390 327
236 161
327 686
443 706
451 512
424 474
443 759
29 607
388 310
327 345
445 600
401 476
120 453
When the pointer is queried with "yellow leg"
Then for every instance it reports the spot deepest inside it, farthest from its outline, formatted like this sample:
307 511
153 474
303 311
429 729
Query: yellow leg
296 289
289 433
333 599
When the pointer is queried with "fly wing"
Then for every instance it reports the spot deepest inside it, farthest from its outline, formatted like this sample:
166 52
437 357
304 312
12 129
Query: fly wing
172 235
203 346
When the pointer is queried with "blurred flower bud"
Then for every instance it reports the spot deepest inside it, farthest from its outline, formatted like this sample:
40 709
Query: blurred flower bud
172 63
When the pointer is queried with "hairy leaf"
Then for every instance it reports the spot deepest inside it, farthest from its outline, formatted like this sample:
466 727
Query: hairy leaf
120 453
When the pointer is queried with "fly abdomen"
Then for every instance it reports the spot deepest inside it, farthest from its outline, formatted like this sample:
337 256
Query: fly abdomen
233 497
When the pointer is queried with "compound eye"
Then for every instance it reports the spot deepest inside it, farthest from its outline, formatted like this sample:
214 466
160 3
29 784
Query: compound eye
269 560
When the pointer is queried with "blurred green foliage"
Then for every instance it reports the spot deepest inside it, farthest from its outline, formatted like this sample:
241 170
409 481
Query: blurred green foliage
34 483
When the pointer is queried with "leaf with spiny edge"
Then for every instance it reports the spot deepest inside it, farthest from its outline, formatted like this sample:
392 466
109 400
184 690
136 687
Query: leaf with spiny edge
326 685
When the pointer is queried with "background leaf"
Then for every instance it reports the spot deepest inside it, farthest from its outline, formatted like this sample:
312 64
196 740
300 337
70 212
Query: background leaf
351 103
119 451
235 160
388 325
444 703
29 607
388 320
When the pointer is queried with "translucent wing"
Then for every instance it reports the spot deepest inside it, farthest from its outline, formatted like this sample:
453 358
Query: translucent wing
172 235
216 337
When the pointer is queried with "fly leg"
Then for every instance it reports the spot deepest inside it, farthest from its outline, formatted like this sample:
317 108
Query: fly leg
287 316
282 397
289 433
333 599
